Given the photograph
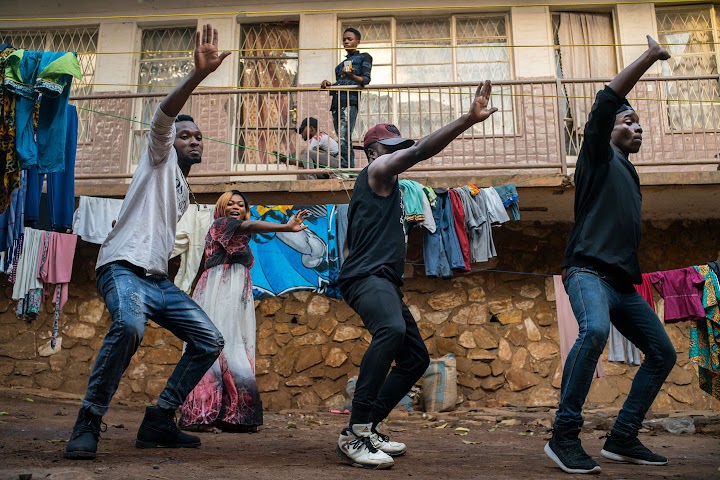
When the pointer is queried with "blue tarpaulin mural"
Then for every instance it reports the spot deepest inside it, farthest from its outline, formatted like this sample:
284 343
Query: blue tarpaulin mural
290 262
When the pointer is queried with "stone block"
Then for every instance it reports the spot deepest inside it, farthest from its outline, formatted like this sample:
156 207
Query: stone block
468 380
29 368
549 289
467 340
284 360
308 357
476 294
480 354
519 359
326 388
57 362
507 318
530 291
484 338
516 335
313 338
346 332
262 365
603 392
335 402
21 348
497 366
318 305
277 400
463 364
545 319
504 350
448 345
681 376
81 353
543 350
302 295
447 300
448 330
492 383
426 330
524 304
327 325
504 305
473 314
79 330
293 308
284 327
49 380
520 380
268 383
306 399
91 311
533 333
437 317
543 397
481 369
335 358
356 354
165 355
270 306
682 394
46 350
301 380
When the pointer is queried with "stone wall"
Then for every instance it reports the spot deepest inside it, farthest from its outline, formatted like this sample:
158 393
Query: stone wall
501 326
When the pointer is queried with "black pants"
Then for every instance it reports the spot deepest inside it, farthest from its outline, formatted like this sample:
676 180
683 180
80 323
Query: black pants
395 337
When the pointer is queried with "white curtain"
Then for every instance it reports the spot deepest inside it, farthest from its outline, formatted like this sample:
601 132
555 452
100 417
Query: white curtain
584 61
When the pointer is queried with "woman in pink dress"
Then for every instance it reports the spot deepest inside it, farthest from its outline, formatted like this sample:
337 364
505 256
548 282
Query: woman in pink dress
227 396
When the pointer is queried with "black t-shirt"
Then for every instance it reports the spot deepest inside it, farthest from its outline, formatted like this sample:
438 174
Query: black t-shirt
375 234
606 233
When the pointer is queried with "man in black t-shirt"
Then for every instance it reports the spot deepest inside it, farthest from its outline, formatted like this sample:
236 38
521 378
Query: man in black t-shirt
600 267
371 277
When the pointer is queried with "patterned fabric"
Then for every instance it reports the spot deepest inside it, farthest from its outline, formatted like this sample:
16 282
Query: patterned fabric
705 336
28 308
227 396
9 165
225 245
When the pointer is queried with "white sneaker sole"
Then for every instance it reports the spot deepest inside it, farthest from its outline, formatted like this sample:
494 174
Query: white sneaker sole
621 458
394 454
369 466
554 458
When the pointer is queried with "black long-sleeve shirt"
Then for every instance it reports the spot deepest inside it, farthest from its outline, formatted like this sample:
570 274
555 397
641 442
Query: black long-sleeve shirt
606 233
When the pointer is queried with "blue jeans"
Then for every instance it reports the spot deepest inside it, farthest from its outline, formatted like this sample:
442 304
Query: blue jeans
596 304
344 123
132 298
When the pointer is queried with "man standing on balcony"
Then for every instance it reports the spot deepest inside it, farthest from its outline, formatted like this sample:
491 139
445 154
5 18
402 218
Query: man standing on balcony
131 274
354 71
371 277
600 267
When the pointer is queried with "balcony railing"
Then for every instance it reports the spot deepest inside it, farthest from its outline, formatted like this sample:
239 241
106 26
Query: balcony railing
538 128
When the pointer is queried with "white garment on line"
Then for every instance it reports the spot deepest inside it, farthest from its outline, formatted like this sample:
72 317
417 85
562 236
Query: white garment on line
27 267
94 217
494 204
190 243
429 221
620 349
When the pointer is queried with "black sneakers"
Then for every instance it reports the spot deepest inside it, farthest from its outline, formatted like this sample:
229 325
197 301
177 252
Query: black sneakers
630 450
569 455
159 430
85 435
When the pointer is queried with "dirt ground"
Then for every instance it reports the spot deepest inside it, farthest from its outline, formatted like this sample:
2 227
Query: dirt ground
499 444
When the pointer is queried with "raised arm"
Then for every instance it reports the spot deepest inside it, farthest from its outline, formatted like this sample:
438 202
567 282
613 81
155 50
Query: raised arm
626 80
386 167
295 224
207 60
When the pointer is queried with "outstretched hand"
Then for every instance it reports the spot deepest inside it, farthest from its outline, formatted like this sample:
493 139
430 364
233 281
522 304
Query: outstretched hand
206 55
295 224
661 53
479 111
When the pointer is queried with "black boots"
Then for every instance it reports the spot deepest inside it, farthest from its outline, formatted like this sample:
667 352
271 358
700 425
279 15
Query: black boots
565 450
85 435
629 449
159 430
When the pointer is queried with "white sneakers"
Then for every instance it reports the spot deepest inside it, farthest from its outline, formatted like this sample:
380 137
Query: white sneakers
355 446
383 443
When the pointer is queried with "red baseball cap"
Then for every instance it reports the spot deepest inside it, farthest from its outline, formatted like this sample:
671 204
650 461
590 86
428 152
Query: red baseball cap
387 134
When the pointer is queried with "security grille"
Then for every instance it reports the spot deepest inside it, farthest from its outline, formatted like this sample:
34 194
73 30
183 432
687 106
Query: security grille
268 59
166 59
691 35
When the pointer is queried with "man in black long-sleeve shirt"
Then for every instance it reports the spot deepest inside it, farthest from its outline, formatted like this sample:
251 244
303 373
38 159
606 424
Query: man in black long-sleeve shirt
600 267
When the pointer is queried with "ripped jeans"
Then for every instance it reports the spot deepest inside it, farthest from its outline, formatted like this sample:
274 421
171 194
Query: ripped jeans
132 298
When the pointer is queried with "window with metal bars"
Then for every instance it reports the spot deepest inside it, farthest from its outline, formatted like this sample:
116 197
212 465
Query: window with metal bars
83 41
268 59
691 35
458 48
166 58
